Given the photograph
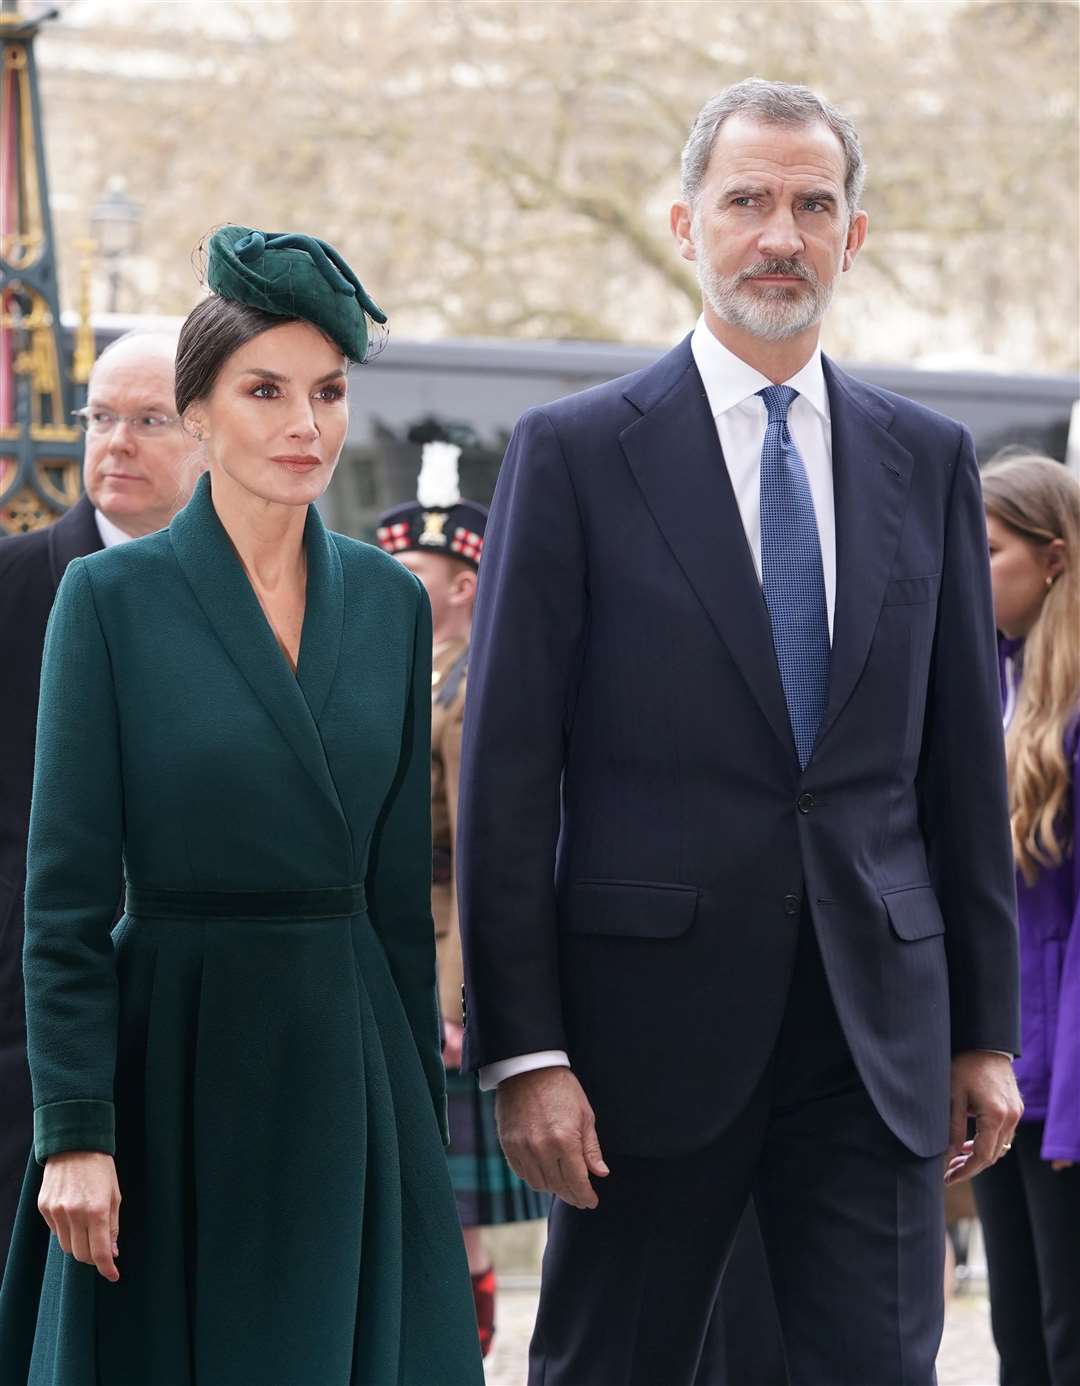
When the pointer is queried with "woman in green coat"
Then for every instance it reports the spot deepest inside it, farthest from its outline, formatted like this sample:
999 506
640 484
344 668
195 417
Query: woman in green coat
234 720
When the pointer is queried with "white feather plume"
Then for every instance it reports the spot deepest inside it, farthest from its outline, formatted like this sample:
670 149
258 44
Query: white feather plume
438 487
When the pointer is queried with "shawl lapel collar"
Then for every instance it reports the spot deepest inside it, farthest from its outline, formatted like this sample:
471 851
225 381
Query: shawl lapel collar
324 616
675 455
871 477
214 573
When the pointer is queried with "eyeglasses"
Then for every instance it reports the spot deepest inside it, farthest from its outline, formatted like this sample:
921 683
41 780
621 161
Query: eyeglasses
105 420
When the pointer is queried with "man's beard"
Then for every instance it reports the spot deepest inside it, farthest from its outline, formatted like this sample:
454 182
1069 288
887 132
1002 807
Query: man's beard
770 311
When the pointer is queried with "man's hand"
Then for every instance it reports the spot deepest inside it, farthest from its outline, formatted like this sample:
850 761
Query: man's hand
548 1133
453 1035
983 1086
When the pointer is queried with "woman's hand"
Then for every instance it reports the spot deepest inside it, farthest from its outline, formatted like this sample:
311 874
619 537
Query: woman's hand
80 1200
453 1035
1061 1164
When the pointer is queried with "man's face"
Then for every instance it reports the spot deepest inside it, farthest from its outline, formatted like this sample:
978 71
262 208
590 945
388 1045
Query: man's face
769 231
138 481
448 583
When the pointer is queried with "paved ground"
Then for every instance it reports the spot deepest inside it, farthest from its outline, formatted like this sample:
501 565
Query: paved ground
967 1351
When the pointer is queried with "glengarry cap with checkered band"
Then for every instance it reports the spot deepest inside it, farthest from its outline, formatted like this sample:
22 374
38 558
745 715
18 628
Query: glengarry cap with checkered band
438 521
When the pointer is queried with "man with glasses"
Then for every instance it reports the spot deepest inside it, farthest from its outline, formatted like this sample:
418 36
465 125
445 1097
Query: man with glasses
139 470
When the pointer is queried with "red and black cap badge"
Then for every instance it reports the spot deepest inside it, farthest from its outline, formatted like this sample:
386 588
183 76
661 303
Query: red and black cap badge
438 521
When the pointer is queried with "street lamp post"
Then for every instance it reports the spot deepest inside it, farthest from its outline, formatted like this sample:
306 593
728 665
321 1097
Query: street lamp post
115 221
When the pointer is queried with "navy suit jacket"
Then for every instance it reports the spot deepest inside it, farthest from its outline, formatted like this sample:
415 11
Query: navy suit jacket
637 843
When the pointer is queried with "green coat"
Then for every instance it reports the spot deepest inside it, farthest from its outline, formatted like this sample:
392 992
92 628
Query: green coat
257 1046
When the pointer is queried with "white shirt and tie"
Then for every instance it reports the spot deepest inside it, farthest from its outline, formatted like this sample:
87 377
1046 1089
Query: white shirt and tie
741 418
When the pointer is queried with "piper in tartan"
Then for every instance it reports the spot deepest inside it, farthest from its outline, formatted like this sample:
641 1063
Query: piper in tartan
440 537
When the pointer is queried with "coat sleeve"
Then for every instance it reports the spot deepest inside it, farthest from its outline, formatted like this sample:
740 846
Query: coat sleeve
399 874
524 665
74 881
1061 1134
962 787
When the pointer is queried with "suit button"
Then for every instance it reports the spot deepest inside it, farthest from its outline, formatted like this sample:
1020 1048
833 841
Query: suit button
806 803
791 904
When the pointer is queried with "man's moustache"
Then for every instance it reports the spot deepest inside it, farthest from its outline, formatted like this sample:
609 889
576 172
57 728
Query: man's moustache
793 268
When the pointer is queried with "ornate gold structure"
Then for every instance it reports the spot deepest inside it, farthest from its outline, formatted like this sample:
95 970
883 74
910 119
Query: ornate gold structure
40 451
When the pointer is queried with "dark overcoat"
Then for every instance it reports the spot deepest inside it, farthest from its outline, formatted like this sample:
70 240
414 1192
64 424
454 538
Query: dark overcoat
258 1041
637 841
31 566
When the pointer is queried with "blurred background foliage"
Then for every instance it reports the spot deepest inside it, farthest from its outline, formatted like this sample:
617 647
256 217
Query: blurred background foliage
505 168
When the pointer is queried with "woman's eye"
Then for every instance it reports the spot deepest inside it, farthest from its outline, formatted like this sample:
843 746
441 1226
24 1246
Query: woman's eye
271 390
331 393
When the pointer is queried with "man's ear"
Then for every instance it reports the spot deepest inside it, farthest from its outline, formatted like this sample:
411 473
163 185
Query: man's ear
855 237
463 590
682 228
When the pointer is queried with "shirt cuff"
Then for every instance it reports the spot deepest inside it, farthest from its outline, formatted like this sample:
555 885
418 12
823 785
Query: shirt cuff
491 1075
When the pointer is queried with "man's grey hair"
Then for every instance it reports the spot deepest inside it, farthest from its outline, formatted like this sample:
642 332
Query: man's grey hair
776 103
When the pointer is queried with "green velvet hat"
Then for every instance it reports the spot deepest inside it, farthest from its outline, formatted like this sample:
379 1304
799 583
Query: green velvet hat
295 276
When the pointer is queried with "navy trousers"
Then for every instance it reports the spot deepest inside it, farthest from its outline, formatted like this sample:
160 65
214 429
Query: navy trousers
851 1221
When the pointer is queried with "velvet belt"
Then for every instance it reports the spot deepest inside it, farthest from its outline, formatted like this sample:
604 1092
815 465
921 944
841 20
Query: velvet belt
331 902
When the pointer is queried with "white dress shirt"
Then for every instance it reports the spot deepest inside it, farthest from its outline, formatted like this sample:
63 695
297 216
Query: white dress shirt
741 417
110 534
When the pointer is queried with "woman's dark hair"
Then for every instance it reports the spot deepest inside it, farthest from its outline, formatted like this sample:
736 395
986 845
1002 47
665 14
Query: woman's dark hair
212 331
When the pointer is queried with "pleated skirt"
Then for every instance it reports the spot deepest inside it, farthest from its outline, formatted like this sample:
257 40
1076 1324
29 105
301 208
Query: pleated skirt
287 1217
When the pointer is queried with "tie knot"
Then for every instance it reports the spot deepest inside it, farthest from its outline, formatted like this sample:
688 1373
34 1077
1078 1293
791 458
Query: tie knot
777 401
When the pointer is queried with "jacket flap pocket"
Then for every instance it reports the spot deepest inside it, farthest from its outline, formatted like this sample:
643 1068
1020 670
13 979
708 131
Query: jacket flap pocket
909 591
629 909
914 912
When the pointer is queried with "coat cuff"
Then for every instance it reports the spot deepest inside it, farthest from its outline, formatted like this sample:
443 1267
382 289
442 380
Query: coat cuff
1056 1150
82 1124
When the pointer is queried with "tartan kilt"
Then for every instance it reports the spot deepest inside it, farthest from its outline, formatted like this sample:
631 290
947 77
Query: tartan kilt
487 1190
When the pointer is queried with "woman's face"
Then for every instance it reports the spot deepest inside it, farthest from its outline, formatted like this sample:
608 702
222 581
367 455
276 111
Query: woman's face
1019 571
275 422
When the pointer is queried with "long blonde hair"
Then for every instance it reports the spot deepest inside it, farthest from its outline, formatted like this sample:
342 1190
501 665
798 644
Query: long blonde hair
1039 500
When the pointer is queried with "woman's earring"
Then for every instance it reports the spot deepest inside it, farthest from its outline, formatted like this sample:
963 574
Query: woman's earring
1049 581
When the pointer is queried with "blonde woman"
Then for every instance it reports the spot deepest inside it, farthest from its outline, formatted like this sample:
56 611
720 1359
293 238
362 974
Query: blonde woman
1030 1201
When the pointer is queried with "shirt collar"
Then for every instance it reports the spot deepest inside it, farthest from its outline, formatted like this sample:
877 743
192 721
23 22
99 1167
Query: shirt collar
729 380
110 534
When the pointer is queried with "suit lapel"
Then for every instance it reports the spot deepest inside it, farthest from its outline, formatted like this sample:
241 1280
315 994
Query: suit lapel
72 536
675 455
215 575
871 477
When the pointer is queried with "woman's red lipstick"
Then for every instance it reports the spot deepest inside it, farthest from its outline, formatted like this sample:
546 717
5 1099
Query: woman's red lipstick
296 461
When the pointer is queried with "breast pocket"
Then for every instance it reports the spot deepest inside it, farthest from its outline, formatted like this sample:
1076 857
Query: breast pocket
913 590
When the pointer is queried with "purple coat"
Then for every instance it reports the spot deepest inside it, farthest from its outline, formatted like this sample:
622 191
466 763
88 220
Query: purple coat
1048 1070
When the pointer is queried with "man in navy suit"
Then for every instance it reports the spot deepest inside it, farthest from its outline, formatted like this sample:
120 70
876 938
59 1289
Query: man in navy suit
735 868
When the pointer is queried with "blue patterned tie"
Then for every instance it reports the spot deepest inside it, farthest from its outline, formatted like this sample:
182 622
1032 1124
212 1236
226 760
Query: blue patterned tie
791 575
